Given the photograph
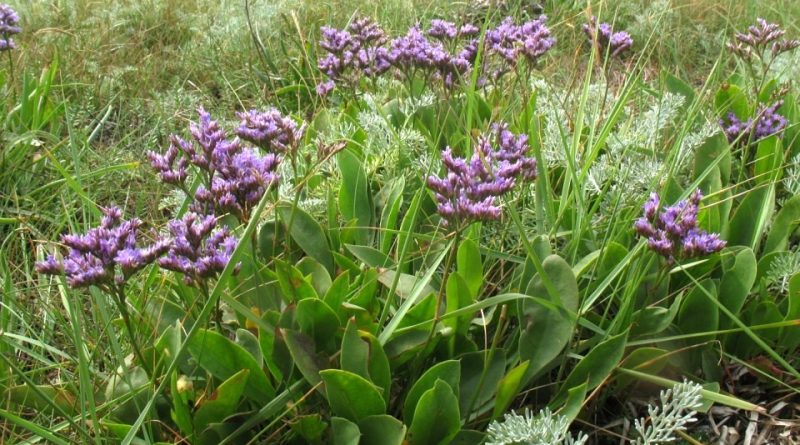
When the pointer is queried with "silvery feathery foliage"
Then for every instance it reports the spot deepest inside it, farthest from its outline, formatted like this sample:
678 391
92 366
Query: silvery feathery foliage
545 428
624 159
388 147
550 104
693 141
782 269
791 182
645 131
678 406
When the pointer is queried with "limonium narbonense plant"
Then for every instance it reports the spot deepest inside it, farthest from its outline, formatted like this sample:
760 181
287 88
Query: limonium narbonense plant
605 39
8 27
528 41
234 177
107 257
470 189
674 233
270 130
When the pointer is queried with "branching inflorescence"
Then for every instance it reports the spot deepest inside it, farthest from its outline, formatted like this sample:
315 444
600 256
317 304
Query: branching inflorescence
106 255
759 38
198 250
353 53
766 122
470 190
674 233
8 27
605 39
234 177
528 41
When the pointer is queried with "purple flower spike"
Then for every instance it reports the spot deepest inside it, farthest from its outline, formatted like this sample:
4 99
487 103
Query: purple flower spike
352 53
105 255
8 27
198 251
765 123
759 37
673 233
270 130
443 30
234 178
470 190
415 52
510 41
607 40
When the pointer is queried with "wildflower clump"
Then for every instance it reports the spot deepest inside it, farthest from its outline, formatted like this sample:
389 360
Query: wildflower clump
8 27
673 233
270 130
104 256
605 39
444 51
470 190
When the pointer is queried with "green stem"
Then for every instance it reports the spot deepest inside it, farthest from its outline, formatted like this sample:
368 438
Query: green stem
126 318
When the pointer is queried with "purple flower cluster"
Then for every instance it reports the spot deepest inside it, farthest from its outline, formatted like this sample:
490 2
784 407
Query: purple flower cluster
235 178
105 255
445 50
415 51
510 41
673 233
766 122
470 190
606 39
8 27
352 53
197 250
270 130
759 37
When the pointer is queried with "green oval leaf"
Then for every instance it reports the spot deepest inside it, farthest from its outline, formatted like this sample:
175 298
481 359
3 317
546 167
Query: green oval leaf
381 430
448 371
223 358
437 419
307 233
352 396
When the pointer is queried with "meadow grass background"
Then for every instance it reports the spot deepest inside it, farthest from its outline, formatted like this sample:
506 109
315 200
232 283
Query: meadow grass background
120 76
